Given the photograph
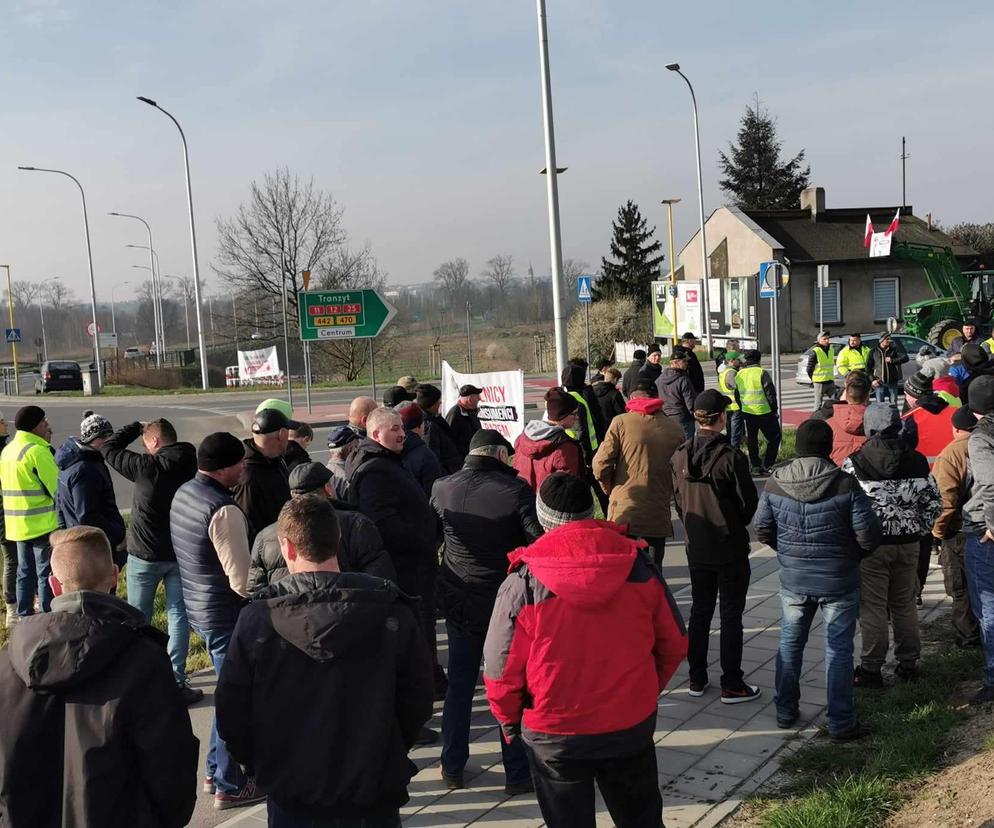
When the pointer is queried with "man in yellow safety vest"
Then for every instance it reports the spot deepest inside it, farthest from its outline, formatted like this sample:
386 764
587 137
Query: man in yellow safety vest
30 478
757 397
820 368
726 384
853 357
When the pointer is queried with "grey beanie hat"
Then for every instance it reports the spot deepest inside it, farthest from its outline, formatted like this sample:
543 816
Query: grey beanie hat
93 426
563 498
879 418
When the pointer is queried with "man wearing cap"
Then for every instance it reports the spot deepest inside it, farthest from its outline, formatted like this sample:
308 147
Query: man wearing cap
486 511
952 475
359 411
30 483
726 384
395 395
716 500
464 419
971 334
821 524
651 369
883 365
584 637
631 376
210 539
633 466
676 391
342 441
264 489
757 397
931 415
409 384
694 369
417 458
545 446
906 500
978 526
361 547
438 433
820 368
85 495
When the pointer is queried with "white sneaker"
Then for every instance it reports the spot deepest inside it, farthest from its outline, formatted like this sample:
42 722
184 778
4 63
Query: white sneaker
697 690
11 615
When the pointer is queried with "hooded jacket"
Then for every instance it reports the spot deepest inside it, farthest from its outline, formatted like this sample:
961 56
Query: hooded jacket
630 379
633 467
342 659
978 511
85 496
649 372
421 462
821 525
94 730
360 550
933 425
677 393
898 483
847 430
543 448
263 490
157 477
715 498
584 637
610 401
295 455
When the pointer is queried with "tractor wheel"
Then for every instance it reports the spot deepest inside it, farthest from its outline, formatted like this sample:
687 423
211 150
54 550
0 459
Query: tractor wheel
943 333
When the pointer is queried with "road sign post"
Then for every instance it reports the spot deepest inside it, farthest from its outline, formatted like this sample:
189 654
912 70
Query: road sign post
822 282
773 277
585 295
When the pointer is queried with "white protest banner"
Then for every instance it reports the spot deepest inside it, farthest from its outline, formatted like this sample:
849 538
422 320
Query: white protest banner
880 244
502 401
256 365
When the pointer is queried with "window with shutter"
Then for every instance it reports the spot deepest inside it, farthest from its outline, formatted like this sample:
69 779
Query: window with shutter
886 299
832 298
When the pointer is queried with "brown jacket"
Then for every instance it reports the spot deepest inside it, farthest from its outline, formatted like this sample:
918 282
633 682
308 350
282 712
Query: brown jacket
952 475
633 466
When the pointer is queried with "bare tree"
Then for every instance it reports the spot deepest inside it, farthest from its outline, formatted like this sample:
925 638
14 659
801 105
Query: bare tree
453 276
500 271
573 269
58 295
24 293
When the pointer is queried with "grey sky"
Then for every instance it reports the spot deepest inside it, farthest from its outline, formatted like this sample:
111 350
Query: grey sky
423 117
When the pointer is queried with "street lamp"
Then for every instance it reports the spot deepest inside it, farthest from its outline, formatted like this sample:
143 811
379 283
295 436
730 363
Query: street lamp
669 202
186 305
675 67
157 282
113 316
89 259
160 346
41 313
13 345
193 243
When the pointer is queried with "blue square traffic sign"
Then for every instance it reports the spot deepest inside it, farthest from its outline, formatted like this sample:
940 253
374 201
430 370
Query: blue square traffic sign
584 290
13 334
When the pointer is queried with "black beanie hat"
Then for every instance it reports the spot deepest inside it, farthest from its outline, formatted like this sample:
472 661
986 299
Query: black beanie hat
427 395
982 395
563 498
918 385
974 356
964 419
219 450
814 439
27 418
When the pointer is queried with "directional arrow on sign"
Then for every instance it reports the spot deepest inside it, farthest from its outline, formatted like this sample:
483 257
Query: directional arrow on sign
346 314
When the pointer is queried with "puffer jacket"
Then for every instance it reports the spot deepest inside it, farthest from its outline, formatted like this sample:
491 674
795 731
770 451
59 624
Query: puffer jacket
544 448
898 483
85 496
847 430
978 511
677 393
821 524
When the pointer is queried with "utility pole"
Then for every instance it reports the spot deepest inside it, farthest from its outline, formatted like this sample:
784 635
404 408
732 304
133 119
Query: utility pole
904 179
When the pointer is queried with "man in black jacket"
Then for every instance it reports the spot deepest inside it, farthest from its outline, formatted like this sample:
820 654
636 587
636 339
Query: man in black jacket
360 548
676 390
694 369
464 418
631 376
264 489
438 432
716 499
297 446
157 474
94 731
350 644
486 511
883 366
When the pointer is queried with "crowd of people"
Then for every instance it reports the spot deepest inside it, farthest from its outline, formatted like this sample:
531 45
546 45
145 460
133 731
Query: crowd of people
317 588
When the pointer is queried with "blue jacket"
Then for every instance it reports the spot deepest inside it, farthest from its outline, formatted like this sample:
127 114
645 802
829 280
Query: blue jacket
820 523
85 496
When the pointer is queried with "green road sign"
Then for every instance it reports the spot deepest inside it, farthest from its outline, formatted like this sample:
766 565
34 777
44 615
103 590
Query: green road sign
347 314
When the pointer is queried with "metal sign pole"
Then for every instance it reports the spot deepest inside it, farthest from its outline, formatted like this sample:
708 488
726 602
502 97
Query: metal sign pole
586 316
286 349
307 374
372 367
775 326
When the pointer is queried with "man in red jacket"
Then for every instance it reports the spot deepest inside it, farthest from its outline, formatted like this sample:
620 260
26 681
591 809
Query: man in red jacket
584 637
546 445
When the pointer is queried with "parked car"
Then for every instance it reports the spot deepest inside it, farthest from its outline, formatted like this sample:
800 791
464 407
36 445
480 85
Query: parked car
59 376
911 344
132 353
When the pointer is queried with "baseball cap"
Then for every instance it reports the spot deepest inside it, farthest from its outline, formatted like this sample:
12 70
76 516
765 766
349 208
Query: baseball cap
270 420
341 436
466 390
395 395
278 405
309 477
711 401
408 382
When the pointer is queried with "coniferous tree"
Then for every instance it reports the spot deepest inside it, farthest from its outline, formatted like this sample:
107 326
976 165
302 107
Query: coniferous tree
755 176
634 261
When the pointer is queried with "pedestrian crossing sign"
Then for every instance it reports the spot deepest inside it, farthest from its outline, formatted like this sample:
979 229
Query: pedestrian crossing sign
13 334
583 289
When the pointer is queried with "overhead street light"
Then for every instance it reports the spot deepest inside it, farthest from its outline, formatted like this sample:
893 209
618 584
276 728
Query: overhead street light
41 313
113 317
157 281
193 243
157 320
89 259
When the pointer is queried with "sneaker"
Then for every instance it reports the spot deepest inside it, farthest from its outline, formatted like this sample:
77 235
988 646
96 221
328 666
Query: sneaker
743 693
519 788
191 695
867 679
787 723
11 615
906 673
209 787
697 688
452 783
248 795
919 602
985 696
757 471
857 731
427 736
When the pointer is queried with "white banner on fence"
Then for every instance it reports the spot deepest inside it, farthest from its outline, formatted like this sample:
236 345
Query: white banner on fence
261 364
502 403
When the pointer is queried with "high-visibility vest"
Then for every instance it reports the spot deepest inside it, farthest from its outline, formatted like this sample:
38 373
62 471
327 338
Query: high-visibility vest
29 479
728 392
989 345
952 399
852 360
825 369
749 384
591 433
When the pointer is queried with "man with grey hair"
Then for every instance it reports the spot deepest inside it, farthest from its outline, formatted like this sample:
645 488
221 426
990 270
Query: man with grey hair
486 511
342 441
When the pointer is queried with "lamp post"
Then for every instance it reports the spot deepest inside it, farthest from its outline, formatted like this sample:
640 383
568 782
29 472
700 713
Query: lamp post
10 307
160 345
41 313
156 320
113 315
89 259
193 243
706 333
157 283
186 304
669 202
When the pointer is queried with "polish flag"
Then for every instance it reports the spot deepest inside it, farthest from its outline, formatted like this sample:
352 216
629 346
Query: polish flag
868 234
895 223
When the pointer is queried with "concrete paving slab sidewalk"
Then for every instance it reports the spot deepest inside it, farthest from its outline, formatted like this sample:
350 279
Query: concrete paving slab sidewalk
711 756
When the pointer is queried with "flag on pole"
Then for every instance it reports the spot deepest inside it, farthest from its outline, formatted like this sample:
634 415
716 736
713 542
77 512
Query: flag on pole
895 223
868 233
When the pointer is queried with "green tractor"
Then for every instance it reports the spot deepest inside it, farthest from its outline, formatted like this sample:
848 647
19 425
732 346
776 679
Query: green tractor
959 295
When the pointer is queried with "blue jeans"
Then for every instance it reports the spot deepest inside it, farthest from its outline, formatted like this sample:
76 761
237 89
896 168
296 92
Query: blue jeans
465 657
736 428
979 565
225 772
840 616
143 581
33 564
281 818
882 391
